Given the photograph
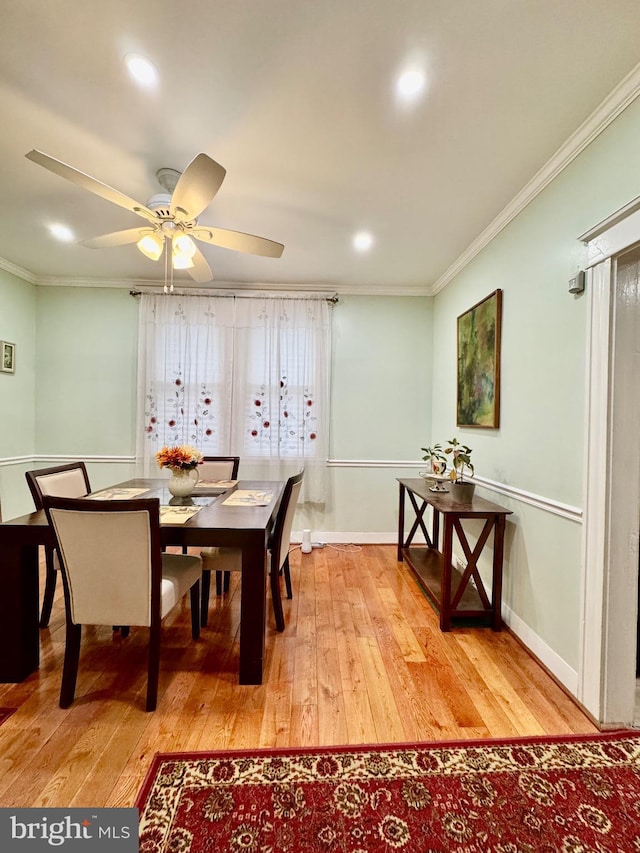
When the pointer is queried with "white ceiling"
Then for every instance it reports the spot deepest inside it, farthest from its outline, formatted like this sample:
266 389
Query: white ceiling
295 98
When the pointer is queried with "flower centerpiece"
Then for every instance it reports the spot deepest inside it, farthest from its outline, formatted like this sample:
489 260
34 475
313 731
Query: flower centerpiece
182 460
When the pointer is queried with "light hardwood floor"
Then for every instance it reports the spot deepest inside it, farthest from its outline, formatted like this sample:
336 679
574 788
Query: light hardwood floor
362 660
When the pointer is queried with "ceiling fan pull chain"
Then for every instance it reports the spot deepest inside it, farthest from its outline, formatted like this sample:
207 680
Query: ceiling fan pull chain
166 268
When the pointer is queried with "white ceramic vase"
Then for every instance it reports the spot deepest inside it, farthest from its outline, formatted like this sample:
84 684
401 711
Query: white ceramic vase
182 482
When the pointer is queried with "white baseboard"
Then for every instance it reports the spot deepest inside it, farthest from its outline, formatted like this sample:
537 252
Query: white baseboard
552 661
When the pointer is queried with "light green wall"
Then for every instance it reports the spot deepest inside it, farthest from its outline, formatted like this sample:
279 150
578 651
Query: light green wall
86 371
17 390
381 393
539 446
381 377
380 408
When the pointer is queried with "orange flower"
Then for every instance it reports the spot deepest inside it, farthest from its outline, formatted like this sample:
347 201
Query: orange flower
178 457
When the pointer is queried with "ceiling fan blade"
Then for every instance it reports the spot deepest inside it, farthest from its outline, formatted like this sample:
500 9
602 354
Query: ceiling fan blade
116 238
238 240
200 271
90 184
196 186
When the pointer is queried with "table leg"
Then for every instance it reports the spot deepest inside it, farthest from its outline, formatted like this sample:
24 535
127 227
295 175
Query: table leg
253 606
19 632
401 523
436 528
418 523
445 584
496 591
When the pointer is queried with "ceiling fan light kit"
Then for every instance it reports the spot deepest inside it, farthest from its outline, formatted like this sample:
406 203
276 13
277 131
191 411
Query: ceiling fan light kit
181 262
183 245
170 216
151 245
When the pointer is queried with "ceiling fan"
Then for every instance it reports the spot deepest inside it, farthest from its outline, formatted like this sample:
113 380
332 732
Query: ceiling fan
172 216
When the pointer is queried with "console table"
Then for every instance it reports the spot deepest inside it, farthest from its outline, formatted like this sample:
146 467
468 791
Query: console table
448 588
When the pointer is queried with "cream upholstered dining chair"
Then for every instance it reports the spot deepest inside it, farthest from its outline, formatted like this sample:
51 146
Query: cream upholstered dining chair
67 481
219 467
114 572
220 559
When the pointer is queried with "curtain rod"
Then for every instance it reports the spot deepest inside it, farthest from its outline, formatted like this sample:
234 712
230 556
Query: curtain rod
332 300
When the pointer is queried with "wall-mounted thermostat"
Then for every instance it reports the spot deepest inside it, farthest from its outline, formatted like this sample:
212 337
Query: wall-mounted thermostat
576 284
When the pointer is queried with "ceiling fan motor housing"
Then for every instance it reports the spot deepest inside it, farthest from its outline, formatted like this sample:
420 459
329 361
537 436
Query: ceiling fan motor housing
161 204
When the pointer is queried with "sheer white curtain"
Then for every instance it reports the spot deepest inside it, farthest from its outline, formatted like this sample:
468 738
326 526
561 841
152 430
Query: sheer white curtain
246 376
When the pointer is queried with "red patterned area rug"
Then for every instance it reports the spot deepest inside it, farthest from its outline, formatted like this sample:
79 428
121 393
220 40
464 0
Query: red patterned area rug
534 795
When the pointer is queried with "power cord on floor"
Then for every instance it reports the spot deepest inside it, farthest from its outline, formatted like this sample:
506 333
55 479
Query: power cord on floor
346 547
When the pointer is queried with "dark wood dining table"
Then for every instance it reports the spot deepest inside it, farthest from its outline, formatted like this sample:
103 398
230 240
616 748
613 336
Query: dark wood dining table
243 527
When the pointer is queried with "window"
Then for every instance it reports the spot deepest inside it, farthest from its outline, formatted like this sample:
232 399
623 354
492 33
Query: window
237 376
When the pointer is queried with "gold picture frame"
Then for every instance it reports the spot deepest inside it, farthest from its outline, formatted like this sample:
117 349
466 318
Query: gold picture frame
478 364
7 357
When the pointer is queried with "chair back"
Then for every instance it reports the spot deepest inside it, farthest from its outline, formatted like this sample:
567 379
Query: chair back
281 535
219 467
67 481
111 559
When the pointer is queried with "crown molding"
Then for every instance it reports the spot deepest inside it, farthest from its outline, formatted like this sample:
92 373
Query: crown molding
67 281
145 284
19 272
612 106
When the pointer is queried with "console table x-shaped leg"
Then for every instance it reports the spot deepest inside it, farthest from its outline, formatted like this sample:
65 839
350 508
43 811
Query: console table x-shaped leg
452 598
456 594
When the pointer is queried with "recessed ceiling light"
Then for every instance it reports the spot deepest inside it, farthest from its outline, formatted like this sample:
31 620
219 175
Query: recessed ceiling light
62 232
362 241
141 69
410 84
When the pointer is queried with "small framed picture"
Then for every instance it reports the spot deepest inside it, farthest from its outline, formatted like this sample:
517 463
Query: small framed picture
7 357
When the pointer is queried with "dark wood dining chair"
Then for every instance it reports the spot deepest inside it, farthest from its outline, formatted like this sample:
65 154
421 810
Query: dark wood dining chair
115 573
68 481
221 559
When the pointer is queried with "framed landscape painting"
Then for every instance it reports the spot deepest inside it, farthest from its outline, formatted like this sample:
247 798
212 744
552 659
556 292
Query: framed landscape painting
478 398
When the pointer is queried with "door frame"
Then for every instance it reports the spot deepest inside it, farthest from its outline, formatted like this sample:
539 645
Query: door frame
609 592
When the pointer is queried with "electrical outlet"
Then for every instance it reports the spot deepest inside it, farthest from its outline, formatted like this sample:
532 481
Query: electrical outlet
460 563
